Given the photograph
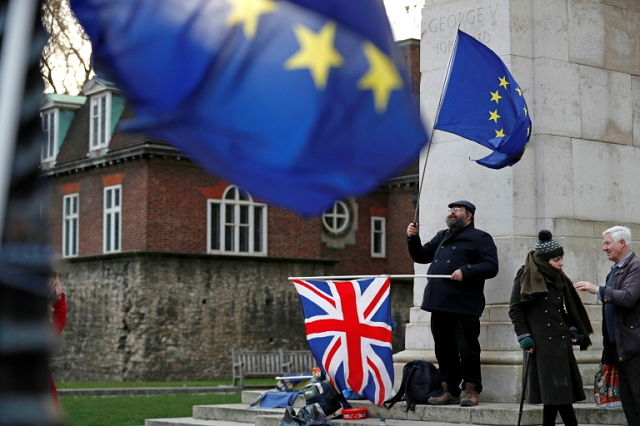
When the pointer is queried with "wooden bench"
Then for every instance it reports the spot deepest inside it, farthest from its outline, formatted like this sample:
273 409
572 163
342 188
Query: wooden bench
269 363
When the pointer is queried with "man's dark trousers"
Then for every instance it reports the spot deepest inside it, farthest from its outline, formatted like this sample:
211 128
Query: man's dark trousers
457 349
629 381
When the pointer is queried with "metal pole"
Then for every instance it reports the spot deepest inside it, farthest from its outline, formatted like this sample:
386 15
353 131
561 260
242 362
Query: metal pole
25 325
353 277
433 127
294 377
14 61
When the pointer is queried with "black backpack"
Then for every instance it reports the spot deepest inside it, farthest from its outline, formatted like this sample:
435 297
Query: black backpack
323 396
420 381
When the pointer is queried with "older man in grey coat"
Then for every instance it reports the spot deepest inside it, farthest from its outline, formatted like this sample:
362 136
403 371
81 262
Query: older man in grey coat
620 299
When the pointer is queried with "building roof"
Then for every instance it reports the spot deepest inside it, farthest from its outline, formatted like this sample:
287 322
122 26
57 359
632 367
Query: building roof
76 144
65 99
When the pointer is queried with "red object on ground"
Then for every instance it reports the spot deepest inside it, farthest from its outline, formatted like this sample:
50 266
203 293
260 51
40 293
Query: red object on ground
354 413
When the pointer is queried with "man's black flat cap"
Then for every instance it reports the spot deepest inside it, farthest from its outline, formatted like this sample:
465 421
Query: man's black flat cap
466 204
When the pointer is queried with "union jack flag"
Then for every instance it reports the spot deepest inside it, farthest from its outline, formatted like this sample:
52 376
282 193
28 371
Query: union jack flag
348 325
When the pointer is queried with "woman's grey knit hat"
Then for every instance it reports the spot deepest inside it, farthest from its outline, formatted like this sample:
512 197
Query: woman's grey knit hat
547 248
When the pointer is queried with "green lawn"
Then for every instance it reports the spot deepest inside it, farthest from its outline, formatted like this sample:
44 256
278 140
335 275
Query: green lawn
133 410
99 385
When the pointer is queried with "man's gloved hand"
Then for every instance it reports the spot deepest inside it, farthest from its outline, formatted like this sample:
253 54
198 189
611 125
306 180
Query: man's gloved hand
579 338
527 343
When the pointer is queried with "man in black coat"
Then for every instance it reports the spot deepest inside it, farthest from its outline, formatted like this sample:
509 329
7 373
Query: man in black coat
469 257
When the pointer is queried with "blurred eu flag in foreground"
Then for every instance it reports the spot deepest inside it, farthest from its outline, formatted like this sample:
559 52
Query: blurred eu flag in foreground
299 102
483 103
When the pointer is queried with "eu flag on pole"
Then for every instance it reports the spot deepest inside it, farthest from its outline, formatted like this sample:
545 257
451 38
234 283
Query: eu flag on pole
299 102
482 102
348 326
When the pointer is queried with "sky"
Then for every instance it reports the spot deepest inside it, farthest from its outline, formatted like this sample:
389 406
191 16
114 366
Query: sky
405 16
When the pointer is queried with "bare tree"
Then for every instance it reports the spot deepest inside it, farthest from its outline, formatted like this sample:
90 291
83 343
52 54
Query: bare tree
66 59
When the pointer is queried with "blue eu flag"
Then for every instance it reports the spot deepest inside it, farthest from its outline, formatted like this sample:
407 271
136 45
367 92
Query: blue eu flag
483 103
299 102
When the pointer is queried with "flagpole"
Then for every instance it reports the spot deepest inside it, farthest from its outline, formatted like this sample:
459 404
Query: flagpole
13 64
293 377
433 127
353 277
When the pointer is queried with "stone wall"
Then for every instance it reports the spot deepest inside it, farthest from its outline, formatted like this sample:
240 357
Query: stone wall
171 317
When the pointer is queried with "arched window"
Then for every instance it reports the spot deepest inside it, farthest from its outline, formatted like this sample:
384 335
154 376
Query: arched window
237 224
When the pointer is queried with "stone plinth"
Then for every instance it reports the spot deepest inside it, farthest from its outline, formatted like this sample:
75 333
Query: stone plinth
578 63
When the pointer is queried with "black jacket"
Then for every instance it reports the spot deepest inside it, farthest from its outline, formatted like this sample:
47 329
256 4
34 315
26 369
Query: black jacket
554 377
470 250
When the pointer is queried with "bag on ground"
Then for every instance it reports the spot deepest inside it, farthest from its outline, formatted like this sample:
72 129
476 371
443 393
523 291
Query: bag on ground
420 381
606 389
307 416
324 397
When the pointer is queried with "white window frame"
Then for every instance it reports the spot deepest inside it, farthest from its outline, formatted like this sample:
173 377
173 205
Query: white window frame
337 213
50 128
112 219
100 135
381 234
226 236
70 224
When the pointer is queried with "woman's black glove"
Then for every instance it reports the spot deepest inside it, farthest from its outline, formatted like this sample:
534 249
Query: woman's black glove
579 338
526 343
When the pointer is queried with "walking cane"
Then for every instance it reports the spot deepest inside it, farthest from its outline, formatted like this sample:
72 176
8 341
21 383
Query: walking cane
527 361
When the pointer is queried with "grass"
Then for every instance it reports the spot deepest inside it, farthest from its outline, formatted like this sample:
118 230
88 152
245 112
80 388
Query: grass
133 410
103 385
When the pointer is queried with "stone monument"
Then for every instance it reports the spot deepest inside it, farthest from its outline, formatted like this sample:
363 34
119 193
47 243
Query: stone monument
578 63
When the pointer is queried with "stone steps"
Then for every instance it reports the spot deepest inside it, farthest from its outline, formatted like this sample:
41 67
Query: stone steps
190 421
495 414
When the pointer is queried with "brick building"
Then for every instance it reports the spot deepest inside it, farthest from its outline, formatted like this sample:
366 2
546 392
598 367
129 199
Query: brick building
169 267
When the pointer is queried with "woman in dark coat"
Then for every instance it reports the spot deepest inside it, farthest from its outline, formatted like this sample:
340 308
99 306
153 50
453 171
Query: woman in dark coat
549 317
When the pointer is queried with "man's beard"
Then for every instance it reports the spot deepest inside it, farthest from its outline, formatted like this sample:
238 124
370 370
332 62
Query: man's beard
455 223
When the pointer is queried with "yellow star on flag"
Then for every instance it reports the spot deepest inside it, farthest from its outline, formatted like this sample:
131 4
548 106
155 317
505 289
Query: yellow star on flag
316 53
519 91
494 116
503 81
247 12
381 78
528 132
525 111
495 96
500 133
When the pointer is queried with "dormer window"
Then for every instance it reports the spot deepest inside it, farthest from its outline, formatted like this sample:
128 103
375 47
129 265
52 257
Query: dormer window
105 108
99 131
56 112
49 127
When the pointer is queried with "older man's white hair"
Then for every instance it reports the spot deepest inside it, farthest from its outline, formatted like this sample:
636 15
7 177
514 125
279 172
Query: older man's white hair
619 233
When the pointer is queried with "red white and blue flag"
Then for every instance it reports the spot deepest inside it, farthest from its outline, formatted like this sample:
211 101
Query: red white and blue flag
348 326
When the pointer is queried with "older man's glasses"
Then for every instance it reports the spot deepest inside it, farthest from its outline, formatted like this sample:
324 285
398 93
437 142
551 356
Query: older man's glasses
456 209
